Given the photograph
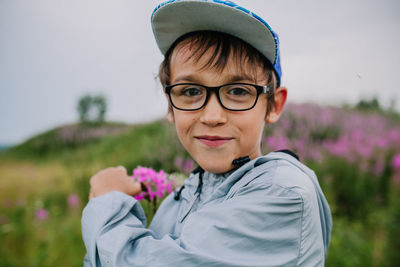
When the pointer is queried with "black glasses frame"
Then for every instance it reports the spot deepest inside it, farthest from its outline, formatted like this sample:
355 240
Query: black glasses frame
260 90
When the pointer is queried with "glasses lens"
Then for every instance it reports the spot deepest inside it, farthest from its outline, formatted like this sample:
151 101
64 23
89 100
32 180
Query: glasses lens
238 96
188 96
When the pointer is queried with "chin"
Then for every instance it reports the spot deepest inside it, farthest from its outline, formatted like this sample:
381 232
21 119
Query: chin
216 166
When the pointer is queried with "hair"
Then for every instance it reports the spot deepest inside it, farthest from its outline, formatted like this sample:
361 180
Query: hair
223 46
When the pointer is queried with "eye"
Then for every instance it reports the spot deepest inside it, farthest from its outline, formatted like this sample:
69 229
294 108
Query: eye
191 91
238 91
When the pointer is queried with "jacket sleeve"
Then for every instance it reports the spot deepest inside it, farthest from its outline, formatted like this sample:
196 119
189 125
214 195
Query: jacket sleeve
250 229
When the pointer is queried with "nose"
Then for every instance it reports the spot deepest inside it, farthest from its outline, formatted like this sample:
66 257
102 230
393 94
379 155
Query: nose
213 114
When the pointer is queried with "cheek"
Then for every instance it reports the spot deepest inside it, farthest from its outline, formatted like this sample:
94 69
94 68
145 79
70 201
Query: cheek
183 123
253 124
253 127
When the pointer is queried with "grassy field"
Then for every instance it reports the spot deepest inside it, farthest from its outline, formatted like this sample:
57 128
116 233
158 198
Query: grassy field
356 155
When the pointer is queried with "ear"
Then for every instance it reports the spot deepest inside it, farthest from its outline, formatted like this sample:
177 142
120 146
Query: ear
170 115
279 102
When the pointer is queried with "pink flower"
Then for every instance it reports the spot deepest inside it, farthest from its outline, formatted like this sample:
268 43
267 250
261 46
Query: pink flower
156 183
73 200
185 165
41 214
396 162
338 148
188 166
394 136
279 142
178 161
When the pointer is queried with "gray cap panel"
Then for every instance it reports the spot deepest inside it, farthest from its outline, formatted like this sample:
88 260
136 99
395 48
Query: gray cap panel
189 16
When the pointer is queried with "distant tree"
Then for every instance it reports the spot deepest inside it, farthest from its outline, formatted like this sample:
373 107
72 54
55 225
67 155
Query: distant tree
372 104
100 103
92 109
83 108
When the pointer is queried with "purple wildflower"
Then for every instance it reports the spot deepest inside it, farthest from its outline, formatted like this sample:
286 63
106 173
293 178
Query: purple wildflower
73 200
188 166
396 162
184 165
41 214
178 161
280 142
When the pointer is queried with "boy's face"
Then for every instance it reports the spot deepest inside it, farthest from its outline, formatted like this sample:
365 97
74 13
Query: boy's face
214 136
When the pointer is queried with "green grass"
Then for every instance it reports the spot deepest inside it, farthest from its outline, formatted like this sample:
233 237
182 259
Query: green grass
43 171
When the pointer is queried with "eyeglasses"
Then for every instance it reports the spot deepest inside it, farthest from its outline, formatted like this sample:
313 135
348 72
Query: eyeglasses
233 96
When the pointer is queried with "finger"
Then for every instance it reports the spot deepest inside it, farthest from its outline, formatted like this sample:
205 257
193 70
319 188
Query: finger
122 168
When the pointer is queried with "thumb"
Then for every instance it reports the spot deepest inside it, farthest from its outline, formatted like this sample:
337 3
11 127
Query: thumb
134 188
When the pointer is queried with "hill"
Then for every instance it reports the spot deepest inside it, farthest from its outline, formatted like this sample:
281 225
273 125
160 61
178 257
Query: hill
105 144
44 181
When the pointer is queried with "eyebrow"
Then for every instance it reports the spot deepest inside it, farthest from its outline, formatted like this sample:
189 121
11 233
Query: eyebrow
228 79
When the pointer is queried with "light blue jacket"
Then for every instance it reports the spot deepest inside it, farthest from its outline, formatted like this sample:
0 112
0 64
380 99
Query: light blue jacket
269 212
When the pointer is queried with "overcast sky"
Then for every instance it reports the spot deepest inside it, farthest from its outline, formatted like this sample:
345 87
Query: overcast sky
54 51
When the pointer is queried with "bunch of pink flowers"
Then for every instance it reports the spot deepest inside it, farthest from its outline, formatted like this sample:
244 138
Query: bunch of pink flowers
156 183
366 140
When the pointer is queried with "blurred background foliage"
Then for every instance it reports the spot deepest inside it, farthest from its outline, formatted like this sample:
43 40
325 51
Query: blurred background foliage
92 109
355 152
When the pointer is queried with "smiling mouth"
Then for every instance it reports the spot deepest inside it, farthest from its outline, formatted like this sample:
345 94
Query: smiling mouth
213 141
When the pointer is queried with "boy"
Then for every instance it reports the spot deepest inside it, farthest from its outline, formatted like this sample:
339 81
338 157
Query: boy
221 76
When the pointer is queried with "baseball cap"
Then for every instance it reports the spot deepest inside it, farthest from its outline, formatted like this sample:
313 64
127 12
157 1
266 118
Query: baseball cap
175 18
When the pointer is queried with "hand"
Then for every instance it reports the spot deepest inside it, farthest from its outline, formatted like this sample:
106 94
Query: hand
113 179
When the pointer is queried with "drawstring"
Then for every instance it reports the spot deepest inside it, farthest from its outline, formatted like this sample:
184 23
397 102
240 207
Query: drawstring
196 194
178 193
240 161
200 171
237 163
199 187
